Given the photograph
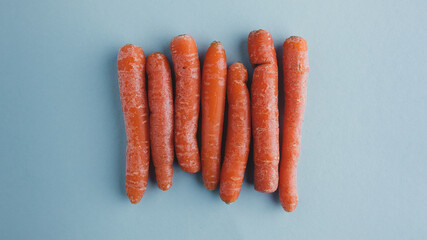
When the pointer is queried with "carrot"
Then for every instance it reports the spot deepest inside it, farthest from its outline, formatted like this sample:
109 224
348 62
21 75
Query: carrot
265 112
295 69
131 69
160 99
187 101
238 134
214 76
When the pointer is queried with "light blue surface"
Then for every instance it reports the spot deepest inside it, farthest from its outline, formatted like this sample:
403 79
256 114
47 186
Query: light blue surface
362 171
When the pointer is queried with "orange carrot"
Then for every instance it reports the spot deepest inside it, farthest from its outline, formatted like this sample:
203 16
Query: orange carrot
160 99
265 112
238 134
131 68
187 101
295 69
214 76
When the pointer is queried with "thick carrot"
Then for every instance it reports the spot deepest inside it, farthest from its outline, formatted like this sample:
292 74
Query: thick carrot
160 99
238 134
295 69
187 101
131 68
214 76
265 112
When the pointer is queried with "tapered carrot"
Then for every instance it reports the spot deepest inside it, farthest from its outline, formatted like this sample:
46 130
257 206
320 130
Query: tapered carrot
214 76
265 112
187 101
295 69
131 69
160 99
238 133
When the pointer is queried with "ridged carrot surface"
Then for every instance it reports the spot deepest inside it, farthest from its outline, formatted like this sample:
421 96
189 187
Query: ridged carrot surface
214 77
265 112
160 101
295 69
133 95
187 101
238 133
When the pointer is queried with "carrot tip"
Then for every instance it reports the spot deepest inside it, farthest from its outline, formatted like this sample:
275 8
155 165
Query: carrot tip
236 64
289 207
165 187
258 31
128 45
228 201
265 190
182 36
296 42
211 186
134 195
155 54
134 200
190 169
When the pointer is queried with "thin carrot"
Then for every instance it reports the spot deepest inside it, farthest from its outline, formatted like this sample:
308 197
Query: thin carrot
131 69
238 133
265 112
214 76
187 101
295 69
160 99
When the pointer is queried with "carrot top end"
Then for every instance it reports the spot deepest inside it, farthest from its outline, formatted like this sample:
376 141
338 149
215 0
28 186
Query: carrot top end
296 42
216 43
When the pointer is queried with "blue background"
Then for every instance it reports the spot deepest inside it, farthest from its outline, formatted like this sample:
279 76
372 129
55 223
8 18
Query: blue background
362 171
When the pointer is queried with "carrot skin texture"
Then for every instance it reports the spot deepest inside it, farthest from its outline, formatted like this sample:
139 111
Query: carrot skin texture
265 112
214 78
238 133
133 95
187 101
160 99
295 69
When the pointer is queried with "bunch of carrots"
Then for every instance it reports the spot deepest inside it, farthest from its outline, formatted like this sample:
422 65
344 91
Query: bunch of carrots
156 121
